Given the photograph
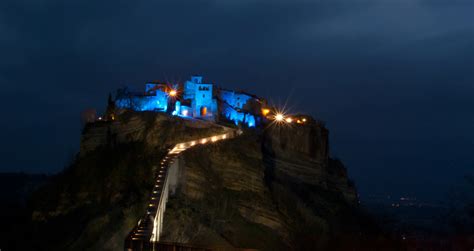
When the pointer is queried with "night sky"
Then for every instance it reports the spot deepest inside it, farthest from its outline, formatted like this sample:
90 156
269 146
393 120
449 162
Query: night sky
393 79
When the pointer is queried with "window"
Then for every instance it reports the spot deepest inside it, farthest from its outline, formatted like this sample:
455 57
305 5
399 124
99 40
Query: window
203 111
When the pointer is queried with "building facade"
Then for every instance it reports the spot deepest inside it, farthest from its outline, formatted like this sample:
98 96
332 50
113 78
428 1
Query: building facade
194 99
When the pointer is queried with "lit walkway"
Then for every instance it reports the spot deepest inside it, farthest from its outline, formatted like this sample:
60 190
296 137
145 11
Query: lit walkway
149 228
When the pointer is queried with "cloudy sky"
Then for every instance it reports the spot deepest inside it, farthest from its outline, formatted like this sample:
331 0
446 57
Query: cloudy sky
393 79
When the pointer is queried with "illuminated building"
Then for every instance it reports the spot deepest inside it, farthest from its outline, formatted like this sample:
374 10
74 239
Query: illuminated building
240 107
201 98
195 99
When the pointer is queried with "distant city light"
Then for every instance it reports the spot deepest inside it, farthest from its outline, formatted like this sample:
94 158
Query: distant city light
185 112
173 93
289 120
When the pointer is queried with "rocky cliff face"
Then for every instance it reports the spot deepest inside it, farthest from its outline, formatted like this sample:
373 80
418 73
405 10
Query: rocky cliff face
302 153
264 190
94 203
156 130
274 189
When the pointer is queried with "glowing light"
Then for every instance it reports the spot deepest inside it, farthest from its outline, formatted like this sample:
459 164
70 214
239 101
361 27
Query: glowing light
279 117
203 141
193 143
224 136
173 93
304 120
289 120
265 111
214 139
184 112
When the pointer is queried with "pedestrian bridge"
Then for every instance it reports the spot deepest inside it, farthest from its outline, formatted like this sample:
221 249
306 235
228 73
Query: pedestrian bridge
146 234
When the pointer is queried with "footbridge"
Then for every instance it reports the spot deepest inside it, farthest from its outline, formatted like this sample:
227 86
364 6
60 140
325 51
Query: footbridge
146 234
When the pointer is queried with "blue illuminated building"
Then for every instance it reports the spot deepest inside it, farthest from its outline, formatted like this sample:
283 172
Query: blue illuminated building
154 98
194 99
237 108
201 101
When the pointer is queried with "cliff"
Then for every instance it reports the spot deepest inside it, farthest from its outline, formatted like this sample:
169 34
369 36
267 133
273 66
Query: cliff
271 189
155 130
94 203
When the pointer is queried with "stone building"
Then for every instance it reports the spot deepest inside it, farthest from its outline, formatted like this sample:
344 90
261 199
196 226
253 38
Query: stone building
194 99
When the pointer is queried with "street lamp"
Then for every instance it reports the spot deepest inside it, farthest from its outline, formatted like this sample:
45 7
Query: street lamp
279 117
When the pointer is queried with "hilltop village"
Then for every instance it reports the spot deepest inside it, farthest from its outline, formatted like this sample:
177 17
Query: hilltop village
199 100
166 169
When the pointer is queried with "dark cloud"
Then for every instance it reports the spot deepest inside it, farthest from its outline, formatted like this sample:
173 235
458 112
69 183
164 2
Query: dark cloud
393 78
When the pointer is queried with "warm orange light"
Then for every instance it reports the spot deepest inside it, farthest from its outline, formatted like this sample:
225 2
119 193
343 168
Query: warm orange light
279 117
289 120
173 93
265 111
304 120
